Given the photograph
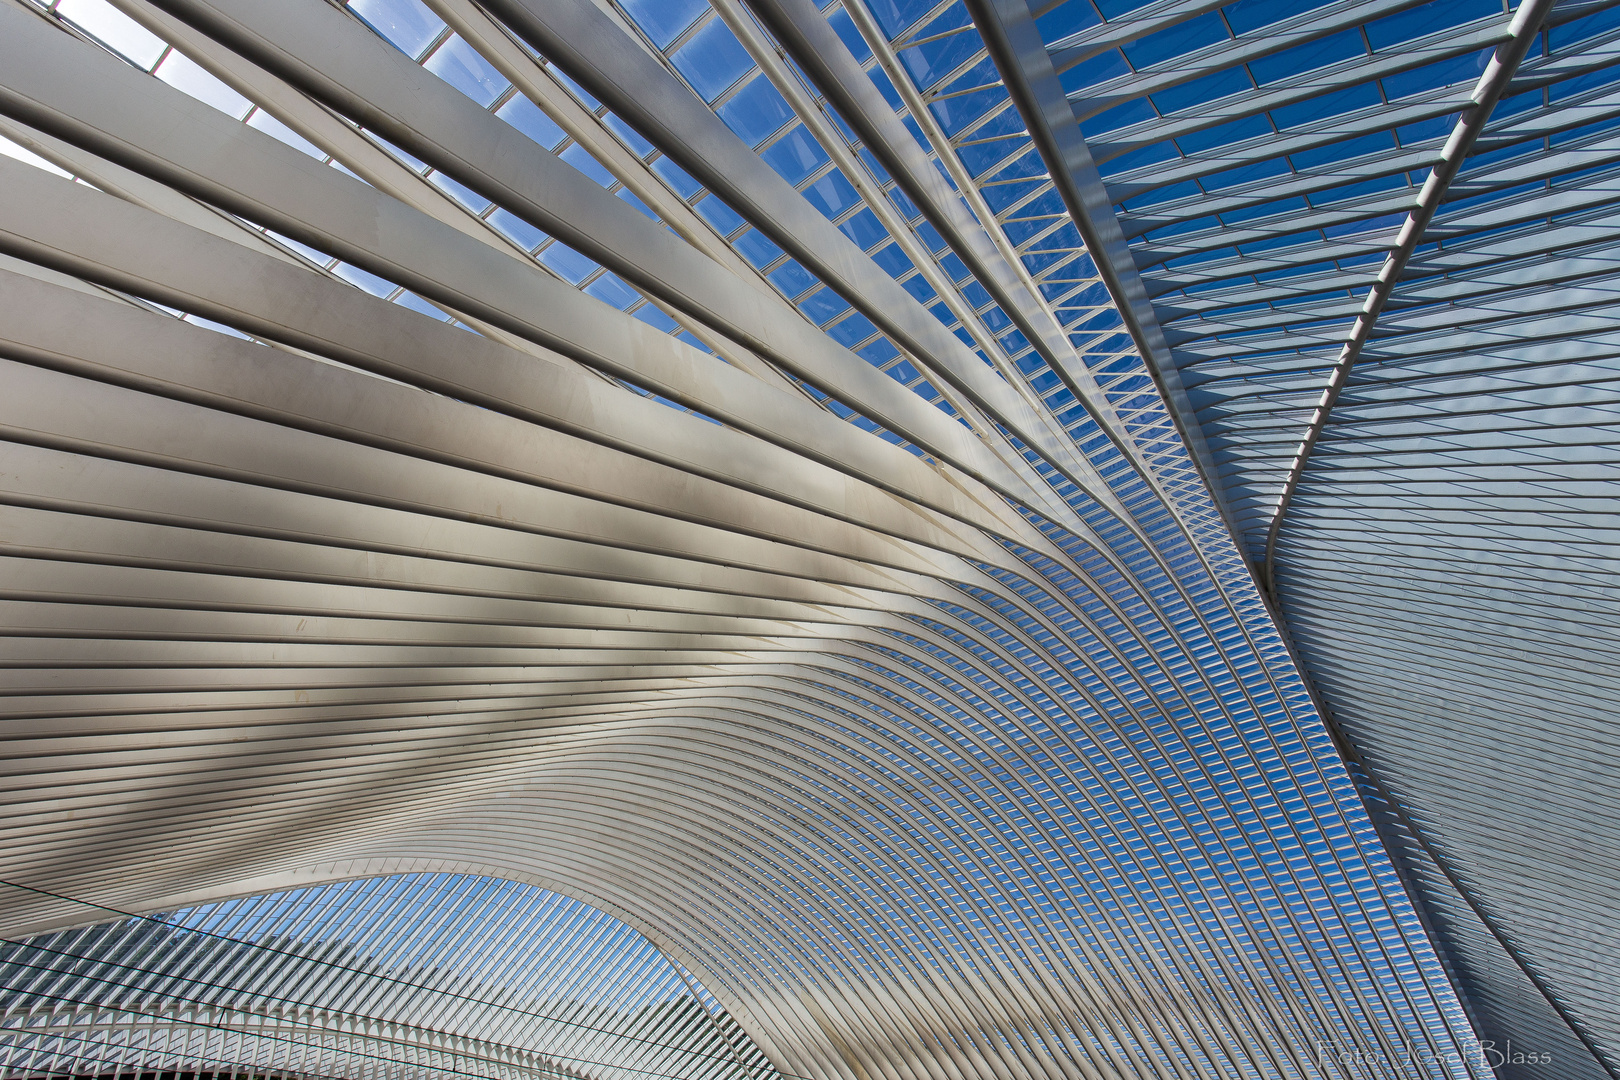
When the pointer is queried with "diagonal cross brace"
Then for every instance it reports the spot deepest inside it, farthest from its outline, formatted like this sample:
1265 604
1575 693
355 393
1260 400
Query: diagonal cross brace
1522 31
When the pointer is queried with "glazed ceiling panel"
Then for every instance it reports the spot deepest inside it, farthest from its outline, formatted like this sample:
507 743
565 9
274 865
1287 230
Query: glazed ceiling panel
694 458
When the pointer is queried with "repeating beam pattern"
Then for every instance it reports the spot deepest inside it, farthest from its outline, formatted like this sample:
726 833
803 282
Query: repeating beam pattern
417 962
1377 238
547 441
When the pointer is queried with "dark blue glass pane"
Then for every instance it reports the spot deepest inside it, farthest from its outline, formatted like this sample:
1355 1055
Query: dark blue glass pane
892 259
795 155
663 20
918 287
1460 71
679 180
832 194
957 114
791 278
1136 159
1313 54
879 352
712 60
724 219
1343 151
873 166
1428 19
1248 213
1580 29
1245 174
849 34
628 135
756 111
863 228
574 88
854 329
982 158
1209 88
1066 19
1366 187
1185 37
1089 72
1365 96
897 15
933 61
1249 127
823 305
1132 112
757 248
885 86
1248 15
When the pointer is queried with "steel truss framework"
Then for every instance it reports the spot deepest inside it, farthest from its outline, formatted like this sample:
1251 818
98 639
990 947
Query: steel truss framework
708 459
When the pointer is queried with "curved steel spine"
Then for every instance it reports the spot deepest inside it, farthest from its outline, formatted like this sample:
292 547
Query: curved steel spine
1522 31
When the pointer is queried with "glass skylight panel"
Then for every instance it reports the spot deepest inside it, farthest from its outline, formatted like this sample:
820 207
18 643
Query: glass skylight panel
664 20
183 73
528 118
452 58
114 29
712 60
408 24
712 53
460 65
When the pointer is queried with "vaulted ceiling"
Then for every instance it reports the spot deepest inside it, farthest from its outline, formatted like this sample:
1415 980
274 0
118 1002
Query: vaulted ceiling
907 509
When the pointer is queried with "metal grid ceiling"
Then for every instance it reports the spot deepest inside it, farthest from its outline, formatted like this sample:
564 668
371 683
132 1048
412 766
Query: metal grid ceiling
1435 507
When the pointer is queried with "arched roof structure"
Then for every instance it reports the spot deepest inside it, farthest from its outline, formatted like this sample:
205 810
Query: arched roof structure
417 975
788 478
1373 238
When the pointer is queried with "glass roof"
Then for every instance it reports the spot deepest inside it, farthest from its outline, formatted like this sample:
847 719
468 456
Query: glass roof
1416 503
